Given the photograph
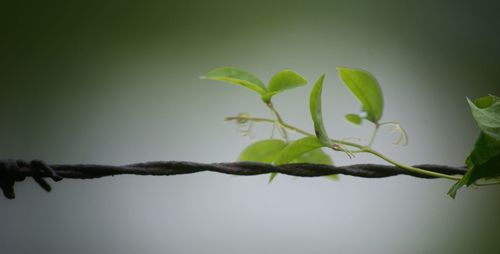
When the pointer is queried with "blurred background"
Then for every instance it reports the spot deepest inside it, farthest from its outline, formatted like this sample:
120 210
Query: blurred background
117 82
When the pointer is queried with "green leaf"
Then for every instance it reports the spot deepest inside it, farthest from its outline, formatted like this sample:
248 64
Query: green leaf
353 118
265 151
283 80
237 77
315 108
485 149
366 89
484 160
296 149
486 112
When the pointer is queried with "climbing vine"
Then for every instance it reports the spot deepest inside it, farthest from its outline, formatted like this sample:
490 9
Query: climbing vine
483 162
302 157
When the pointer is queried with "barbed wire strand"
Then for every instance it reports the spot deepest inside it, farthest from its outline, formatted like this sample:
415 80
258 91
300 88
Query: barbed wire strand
12 171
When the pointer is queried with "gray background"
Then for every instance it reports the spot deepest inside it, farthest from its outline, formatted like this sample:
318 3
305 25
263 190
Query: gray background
117 83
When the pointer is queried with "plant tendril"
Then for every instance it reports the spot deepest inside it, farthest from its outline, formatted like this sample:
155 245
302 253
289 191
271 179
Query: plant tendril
361 148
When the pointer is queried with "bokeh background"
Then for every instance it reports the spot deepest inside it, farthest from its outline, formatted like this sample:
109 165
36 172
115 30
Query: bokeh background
116 82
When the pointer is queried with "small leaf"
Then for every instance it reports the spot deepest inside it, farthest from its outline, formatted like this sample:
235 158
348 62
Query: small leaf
366 89
237 77
283 80
297 148
315 108
353 118
486 112
265 151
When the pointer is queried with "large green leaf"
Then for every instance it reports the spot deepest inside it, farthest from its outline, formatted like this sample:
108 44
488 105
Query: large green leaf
315 108
283 80
295 149
237 77
486 112
265 151
484 160
366 89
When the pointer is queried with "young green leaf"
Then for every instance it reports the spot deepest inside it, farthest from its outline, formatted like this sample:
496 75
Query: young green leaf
315 108
265 151
353 118
283 80
295 149
366 89
237 77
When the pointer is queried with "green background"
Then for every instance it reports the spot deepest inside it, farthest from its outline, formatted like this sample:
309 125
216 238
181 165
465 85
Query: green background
117 82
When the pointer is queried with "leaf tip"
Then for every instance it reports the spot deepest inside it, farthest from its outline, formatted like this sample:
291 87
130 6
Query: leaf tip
271 178
320 81
332 177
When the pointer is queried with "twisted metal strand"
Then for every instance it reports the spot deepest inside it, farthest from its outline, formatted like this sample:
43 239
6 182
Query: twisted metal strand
12 171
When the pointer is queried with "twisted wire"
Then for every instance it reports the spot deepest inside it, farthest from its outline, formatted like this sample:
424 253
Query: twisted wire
17 170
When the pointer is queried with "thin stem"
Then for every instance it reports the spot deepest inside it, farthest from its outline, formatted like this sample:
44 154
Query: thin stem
290 127
248 118
388 123
374 133
278 119
410 168
360 147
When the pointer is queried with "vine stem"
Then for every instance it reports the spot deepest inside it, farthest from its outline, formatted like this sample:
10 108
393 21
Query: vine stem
278 119
360 147
410 168
374 134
